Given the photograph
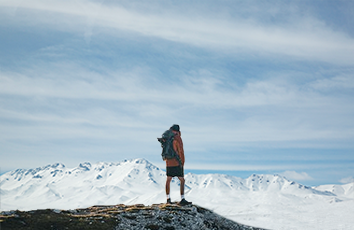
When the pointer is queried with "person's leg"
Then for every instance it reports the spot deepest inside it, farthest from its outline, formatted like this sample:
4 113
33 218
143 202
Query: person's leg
183 200
168 182
181 179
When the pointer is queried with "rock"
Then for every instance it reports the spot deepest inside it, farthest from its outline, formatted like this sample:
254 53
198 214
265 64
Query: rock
115 217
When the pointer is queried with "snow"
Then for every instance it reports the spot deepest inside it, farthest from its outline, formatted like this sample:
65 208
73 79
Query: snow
267 201
345 191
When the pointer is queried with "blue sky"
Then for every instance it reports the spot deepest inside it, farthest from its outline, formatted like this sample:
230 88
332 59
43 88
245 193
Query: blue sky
256 86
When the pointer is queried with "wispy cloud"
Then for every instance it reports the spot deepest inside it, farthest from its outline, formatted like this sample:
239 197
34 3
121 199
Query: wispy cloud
251 77
308 38
344 81
295 111
347 180
293 175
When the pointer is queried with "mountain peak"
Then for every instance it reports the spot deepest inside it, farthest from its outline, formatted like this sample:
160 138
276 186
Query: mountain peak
58 165
138 161
50 167
86 166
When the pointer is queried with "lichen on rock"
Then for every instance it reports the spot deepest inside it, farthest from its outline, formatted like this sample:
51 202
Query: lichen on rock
115 217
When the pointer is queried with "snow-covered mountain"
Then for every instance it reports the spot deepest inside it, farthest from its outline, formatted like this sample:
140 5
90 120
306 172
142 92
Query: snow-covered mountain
267 201
345 191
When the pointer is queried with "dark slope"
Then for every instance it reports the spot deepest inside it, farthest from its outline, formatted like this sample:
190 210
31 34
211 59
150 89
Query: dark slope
160 216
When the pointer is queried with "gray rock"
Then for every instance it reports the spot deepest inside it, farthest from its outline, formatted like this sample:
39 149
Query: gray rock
115 217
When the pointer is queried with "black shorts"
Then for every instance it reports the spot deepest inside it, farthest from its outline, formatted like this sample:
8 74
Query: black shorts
175 171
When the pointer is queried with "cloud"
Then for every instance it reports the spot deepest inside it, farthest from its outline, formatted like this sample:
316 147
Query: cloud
137 98
293 175
347 180
344 81
307 38
92 77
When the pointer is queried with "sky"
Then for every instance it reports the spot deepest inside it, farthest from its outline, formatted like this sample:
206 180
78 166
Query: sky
264 87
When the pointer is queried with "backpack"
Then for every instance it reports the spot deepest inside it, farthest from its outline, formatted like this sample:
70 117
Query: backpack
168 151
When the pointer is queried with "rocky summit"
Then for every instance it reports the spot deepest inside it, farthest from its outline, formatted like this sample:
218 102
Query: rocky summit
157 216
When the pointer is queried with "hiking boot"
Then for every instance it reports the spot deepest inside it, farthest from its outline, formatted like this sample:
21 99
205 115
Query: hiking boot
184 202
169 201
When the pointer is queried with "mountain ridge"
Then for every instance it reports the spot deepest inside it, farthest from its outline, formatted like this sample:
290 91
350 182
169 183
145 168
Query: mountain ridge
258 200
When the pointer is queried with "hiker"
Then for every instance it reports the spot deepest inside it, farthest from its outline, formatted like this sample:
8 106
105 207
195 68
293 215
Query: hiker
174 166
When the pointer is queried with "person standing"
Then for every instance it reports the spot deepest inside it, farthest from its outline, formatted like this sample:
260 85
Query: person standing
174 167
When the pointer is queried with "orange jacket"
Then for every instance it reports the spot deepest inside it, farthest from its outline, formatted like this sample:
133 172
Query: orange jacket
178 147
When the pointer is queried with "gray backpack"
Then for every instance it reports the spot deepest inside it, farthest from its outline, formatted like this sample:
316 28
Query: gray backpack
167 146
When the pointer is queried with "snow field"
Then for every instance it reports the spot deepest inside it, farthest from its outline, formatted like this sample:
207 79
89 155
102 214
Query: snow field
267 201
